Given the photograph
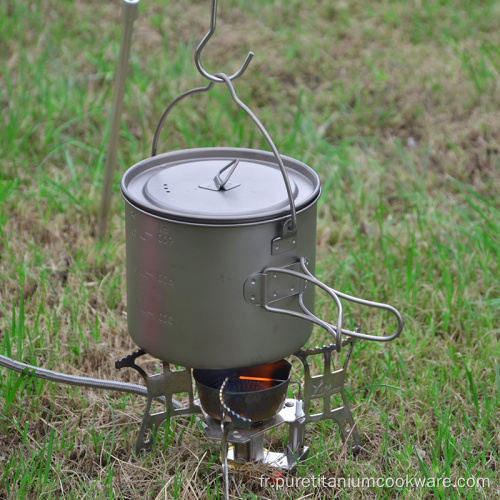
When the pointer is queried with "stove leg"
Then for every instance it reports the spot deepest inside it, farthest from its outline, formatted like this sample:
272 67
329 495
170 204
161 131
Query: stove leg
295 451
162 387
224 451
323 389
344 419
225 427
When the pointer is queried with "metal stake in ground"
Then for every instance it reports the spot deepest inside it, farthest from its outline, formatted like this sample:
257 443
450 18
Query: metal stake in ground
129 15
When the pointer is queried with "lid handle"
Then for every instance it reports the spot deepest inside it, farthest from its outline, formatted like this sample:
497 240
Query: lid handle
218 183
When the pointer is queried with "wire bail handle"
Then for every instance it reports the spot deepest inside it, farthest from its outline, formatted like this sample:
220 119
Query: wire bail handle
291 225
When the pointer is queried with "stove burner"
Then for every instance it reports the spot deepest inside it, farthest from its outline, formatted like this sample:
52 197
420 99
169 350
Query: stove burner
256 393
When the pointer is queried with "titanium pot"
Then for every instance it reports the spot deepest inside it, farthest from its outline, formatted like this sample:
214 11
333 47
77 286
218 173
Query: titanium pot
197 293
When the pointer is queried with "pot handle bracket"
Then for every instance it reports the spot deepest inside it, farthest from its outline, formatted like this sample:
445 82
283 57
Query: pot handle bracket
277 283
286 241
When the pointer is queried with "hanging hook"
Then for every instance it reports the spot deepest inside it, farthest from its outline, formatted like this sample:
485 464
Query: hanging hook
206 38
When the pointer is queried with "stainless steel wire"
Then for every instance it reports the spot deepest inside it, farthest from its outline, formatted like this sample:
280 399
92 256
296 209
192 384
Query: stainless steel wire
363 302
226 79
269 140
201 45
169 109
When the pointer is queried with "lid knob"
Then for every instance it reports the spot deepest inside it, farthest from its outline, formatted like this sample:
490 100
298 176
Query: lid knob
218 183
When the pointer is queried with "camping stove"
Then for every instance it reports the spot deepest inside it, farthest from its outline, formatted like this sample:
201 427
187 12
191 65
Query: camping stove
241 432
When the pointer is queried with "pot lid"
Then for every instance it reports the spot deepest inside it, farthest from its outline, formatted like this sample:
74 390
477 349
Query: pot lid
185 185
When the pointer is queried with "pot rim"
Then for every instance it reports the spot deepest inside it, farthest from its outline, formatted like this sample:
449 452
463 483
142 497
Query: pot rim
201 224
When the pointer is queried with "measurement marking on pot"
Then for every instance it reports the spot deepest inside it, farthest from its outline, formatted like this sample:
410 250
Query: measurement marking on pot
165 280
164 237
165 318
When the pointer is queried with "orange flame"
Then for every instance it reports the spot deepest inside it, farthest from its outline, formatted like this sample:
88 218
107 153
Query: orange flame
260 379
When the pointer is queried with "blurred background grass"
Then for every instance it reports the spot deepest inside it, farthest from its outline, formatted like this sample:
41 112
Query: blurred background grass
396 106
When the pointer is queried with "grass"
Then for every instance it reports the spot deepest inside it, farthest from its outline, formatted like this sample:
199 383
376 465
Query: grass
394 104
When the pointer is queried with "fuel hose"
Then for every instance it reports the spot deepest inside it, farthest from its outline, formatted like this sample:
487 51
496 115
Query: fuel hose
63 378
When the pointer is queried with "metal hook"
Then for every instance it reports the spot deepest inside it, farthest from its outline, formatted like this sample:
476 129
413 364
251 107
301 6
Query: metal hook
206 38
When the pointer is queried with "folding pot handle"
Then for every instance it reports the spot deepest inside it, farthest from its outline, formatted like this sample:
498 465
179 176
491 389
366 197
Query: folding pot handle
299 271
364 302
